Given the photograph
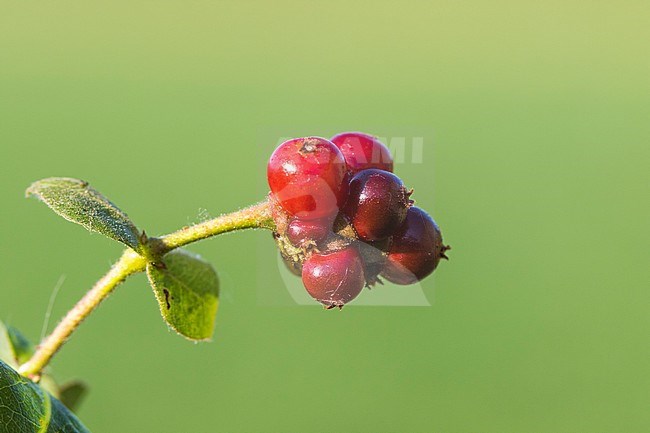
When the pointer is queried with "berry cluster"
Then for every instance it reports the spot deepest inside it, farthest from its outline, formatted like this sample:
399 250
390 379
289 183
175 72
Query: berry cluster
344 219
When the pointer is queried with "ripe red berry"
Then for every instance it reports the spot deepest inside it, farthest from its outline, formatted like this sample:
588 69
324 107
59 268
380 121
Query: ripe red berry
415 250
306 177
334 278
377 204
362 151
301 232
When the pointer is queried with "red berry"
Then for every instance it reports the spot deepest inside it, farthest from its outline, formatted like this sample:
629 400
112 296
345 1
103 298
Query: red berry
415 250
377 204
306 177
334 278
362 151
301 232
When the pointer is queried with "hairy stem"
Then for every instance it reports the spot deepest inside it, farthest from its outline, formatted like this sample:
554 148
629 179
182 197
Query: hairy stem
256 216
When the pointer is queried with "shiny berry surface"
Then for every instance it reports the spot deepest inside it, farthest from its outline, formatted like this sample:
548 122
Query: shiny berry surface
415 249
302 232
363 151
306 177
377 204
335 278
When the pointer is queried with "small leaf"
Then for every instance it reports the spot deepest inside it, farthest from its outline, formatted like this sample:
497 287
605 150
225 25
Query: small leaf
73 393
15 350
187 290
76 201
23 348
26 408
7 353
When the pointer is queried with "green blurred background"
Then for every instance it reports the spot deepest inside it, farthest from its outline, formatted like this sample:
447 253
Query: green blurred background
535 119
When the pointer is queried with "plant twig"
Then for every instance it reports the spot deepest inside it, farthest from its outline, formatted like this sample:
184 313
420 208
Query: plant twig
256 216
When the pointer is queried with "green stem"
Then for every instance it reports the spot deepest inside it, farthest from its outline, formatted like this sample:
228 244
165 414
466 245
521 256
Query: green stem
256 216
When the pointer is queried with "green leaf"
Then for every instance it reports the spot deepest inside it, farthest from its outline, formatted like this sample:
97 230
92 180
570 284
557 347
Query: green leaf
76 201
23 348
26 408
7 353
72 393
15 350
14 347
187 290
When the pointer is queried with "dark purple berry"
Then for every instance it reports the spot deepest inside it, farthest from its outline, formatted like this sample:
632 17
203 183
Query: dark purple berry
334 278
415 249
377 204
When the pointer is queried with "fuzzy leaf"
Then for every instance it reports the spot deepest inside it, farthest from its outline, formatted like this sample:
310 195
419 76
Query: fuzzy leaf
76 201
26 408
187 290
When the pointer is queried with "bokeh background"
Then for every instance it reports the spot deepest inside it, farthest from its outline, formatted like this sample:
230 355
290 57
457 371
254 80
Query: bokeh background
536 156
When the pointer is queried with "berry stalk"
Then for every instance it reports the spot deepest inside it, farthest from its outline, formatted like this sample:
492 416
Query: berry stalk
256 216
